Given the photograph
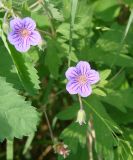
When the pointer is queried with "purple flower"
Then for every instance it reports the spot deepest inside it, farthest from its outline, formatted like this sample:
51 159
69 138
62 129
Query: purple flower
80 79
23 34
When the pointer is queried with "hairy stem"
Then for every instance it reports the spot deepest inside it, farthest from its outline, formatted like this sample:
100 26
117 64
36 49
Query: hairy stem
9 150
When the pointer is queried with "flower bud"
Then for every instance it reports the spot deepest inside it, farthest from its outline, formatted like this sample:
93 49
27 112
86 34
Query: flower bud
42 45
61 149
5 27
81 117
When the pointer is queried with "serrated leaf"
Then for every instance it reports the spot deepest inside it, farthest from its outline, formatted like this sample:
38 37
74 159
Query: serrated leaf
55 12
26 71
17 117
7 68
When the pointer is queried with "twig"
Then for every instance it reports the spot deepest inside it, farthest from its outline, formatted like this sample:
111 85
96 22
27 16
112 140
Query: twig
49 126
45 152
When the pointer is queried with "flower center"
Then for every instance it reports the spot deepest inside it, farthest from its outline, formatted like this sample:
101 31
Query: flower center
24 33
82 79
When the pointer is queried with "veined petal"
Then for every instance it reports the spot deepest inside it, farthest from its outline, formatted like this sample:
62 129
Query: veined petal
93 76
14 38
28 23
85 90
83 67
71 73
72 87
23 45
35 38
16 24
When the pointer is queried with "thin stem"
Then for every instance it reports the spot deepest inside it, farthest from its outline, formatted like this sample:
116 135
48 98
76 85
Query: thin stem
70 39
46 33
34 4
91 137
80 101
49 126
28 143
50 16
90 140
9 150
117 74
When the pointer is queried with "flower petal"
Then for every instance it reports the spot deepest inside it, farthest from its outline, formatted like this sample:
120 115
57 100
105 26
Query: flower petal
28 23
83 67
23 45
13 38
85 90
71 73
35 38
93 76
72 87
16 24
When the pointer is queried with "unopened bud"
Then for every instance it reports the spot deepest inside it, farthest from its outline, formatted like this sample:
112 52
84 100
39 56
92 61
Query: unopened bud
5 27
81 117
42 45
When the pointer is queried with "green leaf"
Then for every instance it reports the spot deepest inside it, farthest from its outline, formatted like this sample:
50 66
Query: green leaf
130 20
107 10
7 68
82 154
25 69
68 113
41 19
52 59
99 92
55 12
72 137
104 57
73 10
66 8
17 117
105 74
102 128
120 99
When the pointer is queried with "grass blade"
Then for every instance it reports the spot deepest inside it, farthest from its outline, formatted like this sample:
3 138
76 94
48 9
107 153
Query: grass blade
73 15
130 20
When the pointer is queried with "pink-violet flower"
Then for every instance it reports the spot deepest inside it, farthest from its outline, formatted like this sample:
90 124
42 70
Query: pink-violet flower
80 79
23 34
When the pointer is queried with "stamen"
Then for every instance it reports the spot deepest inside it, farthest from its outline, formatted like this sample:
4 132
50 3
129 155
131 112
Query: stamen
24 33
82 79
